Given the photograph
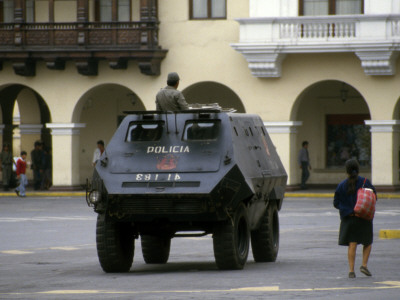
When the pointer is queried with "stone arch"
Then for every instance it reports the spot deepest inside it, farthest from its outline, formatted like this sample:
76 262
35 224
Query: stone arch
24 114
31 112
332 115
101 109
396 111
213 92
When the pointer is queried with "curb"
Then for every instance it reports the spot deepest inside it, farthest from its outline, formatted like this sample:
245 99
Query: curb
309 195
287 195
389 234
46 194
331 195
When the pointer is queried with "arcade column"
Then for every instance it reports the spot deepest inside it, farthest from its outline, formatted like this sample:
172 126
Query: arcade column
385 152
65 151
283 135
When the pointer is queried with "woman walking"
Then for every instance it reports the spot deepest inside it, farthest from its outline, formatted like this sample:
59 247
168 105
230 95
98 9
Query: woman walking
353 230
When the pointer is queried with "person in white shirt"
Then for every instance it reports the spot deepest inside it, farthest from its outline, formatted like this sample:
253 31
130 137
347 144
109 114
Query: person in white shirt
98 152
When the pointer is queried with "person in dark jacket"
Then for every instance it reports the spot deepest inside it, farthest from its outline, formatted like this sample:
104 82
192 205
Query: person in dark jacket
353 230
6 161
304 163
37 164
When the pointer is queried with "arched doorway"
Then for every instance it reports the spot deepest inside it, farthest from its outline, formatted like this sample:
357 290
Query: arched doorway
101 109
333 115
213 92
24 114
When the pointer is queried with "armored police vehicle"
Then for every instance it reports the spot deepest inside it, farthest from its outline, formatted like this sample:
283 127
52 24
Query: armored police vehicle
192 173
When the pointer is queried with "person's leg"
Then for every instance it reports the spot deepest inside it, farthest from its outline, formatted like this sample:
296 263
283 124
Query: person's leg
6 177
304 175
366 253
352 256
37 180
307 173
22 185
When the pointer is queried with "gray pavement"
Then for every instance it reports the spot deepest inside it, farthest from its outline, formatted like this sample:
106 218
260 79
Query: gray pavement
47 251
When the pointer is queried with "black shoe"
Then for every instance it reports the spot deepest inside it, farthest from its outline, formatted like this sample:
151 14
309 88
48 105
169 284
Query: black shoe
365 271
17 192
352 275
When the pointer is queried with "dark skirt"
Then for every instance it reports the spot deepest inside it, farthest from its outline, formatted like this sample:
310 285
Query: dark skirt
355 230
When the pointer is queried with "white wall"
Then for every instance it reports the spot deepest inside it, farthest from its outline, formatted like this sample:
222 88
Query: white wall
273 8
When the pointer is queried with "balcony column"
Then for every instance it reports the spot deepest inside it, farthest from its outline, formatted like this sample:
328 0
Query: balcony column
385 145
83 11
149 36
65 139
284 137
19 12
82 18
148 10
85 66
22 66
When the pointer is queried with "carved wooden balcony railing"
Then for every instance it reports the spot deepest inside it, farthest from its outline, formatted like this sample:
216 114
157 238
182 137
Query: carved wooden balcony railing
85 43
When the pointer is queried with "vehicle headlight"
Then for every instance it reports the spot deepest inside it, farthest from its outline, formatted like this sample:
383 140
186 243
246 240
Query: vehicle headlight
94 197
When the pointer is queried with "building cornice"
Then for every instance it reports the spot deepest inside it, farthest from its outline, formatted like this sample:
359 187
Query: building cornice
30 128
65 128
383 125
282 127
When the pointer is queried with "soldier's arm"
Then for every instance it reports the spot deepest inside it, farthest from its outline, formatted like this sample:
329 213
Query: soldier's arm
182 102
158 107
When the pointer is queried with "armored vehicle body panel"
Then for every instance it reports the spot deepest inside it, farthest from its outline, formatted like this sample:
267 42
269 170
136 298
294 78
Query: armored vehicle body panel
200 170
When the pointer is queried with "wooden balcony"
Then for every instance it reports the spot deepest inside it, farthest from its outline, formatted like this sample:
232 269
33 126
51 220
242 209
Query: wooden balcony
84 43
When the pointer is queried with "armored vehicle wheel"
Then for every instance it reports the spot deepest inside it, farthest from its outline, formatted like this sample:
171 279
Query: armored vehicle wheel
231 241
115 245
155 249
265 240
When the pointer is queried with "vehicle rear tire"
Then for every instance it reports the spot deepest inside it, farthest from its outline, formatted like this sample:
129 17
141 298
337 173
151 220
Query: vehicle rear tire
265 240
115 245
155 249
231 241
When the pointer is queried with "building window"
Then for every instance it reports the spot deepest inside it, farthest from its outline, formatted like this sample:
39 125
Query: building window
330 7
348 137
207 9
113 10
6 11
105 11
30 11
124 10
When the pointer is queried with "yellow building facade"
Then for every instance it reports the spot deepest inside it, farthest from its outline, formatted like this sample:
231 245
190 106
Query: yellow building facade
330 80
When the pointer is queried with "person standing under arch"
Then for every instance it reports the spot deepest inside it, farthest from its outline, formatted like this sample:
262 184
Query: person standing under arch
6 161
305 166
37 164
98 152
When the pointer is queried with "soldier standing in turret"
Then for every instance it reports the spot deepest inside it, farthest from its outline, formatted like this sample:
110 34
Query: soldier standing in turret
169 98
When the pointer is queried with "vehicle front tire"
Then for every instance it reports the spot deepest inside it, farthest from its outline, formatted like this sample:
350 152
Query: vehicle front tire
231 241
265 240
155 249
115 245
